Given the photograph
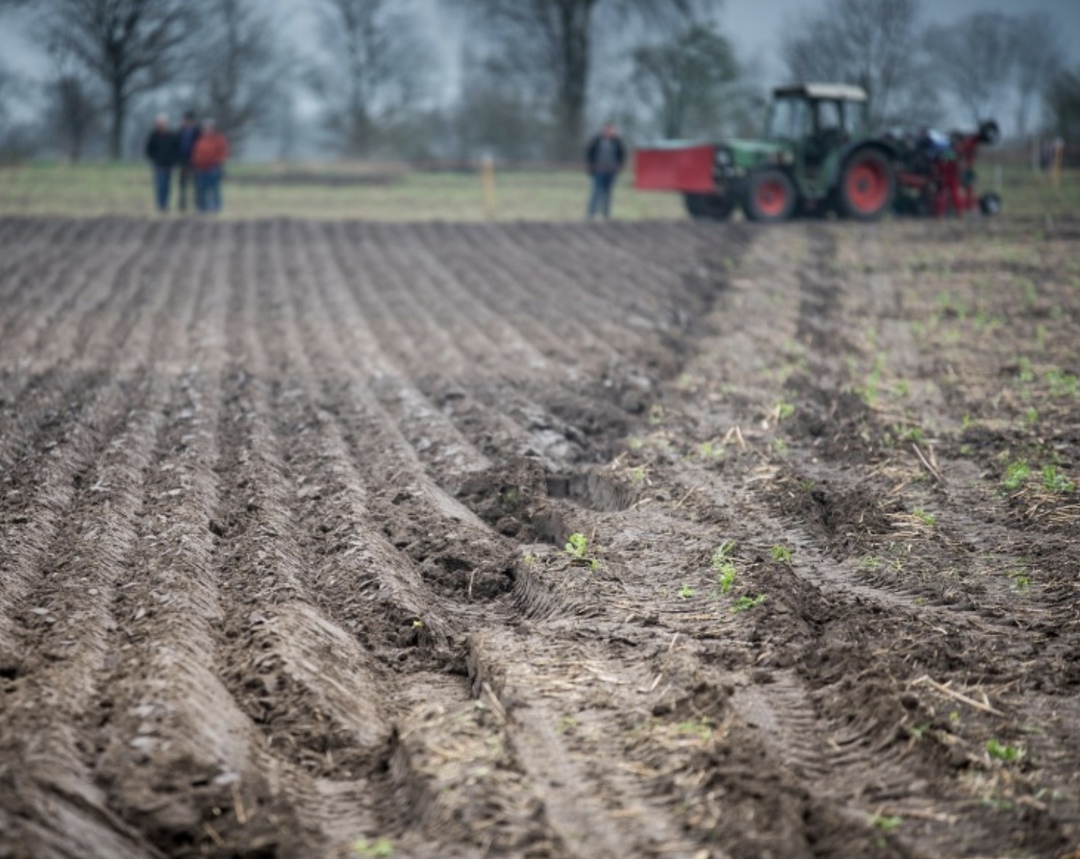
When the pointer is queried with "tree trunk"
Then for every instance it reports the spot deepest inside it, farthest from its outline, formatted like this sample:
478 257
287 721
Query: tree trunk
576 17
118 107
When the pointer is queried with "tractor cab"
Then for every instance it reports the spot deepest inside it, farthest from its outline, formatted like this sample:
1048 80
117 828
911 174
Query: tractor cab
815 121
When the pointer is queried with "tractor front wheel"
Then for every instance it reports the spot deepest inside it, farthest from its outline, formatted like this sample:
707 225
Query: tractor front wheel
714 207
770 197
867 185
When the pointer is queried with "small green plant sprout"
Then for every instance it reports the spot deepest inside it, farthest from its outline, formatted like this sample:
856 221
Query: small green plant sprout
781 554
635 443
710 450
870 562
914 434
725 576
745 603
924 516
1031 416
566 724
1020 580
1062 384
722 553
1004 752
783 411
1016 475
886 823
380 848
702 729
686 592
917 732
639 474
577 545
1056 482
656 414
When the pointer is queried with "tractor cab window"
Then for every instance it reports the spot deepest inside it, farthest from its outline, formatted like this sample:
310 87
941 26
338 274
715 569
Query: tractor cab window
855 119
830 120
789 119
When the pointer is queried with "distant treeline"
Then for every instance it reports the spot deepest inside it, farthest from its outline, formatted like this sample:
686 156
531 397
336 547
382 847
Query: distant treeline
535 75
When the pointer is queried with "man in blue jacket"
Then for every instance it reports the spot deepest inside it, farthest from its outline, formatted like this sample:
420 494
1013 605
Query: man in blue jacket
186 139
604 158
163 152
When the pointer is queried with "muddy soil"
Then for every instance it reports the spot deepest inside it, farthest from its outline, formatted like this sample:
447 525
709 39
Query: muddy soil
538 540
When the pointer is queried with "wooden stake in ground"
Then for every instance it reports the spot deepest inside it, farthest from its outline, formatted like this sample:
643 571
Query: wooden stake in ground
487 172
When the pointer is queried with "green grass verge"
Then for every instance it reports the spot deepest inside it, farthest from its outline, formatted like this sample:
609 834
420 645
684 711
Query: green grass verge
260 190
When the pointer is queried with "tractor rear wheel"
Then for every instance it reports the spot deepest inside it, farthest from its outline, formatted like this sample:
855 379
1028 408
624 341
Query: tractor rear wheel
715 207
770 197
867 185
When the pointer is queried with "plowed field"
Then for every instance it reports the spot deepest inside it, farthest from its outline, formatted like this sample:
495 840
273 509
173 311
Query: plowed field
285 511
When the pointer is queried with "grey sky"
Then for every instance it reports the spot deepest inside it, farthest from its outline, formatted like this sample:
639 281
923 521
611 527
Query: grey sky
756 27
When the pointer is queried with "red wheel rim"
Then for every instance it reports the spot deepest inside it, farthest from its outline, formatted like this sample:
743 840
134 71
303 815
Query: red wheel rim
771 197
867 186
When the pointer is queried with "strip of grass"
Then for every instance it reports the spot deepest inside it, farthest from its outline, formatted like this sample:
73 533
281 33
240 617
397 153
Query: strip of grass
395 194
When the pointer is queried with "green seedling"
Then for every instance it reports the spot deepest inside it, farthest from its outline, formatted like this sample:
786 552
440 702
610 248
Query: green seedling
1016 475
721 553
1031 416
1021 581
745 603
638 474
726 576
927 518
686 592
702 729
710 450
577 545
378 849
1003 752
566 723
781 554
886 823
784 411
870 562
1056 482
656 414
1062 384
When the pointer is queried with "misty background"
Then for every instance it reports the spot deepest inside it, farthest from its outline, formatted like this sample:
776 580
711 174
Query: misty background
522 80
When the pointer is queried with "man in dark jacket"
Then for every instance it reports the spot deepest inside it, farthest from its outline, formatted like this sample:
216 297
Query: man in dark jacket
605 158
163 152
186 138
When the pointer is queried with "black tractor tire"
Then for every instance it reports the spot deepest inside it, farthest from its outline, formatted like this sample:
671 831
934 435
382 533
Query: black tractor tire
990 204
867 185
711 207
770 197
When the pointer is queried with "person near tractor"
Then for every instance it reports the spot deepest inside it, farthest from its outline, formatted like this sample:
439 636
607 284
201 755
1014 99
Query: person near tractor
604 159
163 153
208 161
944 171
186 138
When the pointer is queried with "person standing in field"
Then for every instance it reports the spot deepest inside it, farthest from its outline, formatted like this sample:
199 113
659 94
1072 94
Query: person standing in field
186 138
163 153
208 161
604 158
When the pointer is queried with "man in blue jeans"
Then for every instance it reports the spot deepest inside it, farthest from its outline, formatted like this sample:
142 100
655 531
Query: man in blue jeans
163 152
605 158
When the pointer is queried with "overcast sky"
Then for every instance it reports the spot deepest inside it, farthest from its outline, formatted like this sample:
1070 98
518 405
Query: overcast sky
755 26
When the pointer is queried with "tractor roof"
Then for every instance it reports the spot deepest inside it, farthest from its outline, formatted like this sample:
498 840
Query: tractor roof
846 92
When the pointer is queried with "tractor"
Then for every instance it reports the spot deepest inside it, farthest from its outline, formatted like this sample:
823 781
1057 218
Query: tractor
817 156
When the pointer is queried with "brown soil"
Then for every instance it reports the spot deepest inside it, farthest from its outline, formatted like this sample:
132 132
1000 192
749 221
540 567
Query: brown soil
283 508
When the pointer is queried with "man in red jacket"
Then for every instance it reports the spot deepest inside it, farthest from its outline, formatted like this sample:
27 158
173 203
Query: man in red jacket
208 161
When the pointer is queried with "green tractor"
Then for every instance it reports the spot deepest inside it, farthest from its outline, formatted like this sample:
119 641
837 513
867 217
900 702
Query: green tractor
816 156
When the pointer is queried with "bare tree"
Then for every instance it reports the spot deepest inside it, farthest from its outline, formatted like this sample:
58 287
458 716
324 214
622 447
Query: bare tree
131 46
1063 103
872 43
552 41
1038 57
72 113
377 70
240 71
686 80
975 60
